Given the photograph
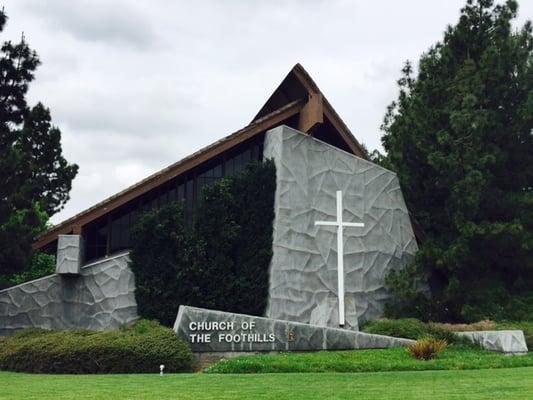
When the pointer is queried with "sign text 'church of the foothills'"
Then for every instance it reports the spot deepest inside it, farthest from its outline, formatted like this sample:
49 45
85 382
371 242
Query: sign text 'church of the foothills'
340 226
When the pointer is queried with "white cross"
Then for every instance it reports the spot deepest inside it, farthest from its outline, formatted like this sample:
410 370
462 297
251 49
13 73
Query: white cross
340 250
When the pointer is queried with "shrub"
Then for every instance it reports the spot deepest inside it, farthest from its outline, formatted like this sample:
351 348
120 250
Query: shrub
410 328
427 349
221 262
140 348
41 264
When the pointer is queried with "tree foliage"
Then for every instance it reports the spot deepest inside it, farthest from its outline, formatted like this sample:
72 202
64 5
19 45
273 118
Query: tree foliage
221 262
35 179
460 138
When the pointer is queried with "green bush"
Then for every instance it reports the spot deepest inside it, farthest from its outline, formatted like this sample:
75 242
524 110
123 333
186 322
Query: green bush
410 328
487 299
140 348
221 262
496 303
41 264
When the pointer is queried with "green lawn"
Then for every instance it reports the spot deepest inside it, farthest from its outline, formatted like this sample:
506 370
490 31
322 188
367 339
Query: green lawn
453 358
516 383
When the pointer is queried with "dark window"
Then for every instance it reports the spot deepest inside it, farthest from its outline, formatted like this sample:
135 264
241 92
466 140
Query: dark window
181 192
209 177
96 239
50 248
120 233
246 157
172 195
153 204
189 201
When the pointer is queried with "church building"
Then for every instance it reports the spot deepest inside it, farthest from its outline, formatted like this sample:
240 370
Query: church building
334 209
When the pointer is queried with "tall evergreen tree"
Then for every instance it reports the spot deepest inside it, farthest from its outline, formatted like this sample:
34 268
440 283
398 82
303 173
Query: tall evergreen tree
460 138
35 179
47 176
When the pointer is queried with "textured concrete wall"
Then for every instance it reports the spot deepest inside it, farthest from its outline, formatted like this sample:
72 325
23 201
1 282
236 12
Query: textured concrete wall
69 254
101 297
303 271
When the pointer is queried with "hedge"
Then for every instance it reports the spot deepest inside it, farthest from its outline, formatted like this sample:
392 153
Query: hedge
219 262
140 348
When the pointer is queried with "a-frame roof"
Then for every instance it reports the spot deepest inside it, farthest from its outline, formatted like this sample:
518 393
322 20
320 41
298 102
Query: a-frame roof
298 84
297 95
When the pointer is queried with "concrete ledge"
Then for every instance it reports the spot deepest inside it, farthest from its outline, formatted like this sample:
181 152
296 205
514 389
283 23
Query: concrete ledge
508 342
69 254
210 331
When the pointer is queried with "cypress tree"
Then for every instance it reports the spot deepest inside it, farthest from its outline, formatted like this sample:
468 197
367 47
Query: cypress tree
460 138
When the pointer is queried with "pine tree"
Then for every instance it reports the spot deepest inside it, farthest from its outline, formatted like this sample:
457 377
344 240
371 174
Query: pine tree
34 177
460 138
47 176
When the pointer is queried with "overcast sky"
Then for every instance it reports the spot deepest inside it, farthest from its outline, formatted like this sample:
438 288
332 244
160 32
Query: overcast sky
137 85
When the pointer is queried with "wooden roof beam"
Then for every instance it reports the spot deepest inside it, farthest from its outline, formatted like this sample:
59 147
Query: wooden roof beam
312 113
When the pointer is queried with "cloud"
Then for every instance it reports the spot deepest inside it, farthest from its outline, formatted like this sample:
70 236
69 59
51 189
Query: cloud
111 22
135 86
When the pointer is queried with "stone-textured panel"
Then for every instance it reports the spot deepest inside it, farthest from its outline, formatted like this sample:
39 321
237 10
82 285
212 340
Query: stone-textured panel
268 334
101 297
509 342
68 254
303 271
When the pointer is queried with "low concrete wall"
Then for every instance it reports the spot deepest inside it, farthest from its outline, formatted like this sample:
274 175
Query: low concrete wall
211 331
100 297
508 342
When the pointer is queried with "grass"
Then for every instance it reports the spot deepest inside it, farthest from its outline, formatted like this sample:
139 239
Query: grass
397 359
436 385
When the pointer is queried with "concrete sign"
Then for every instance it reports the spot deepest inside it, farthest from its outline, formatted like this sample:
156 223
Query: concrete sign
217 331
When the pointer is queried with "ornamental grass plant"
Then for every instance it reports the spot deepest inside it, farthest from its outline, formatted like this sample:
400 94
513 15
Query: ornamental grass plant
427 349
